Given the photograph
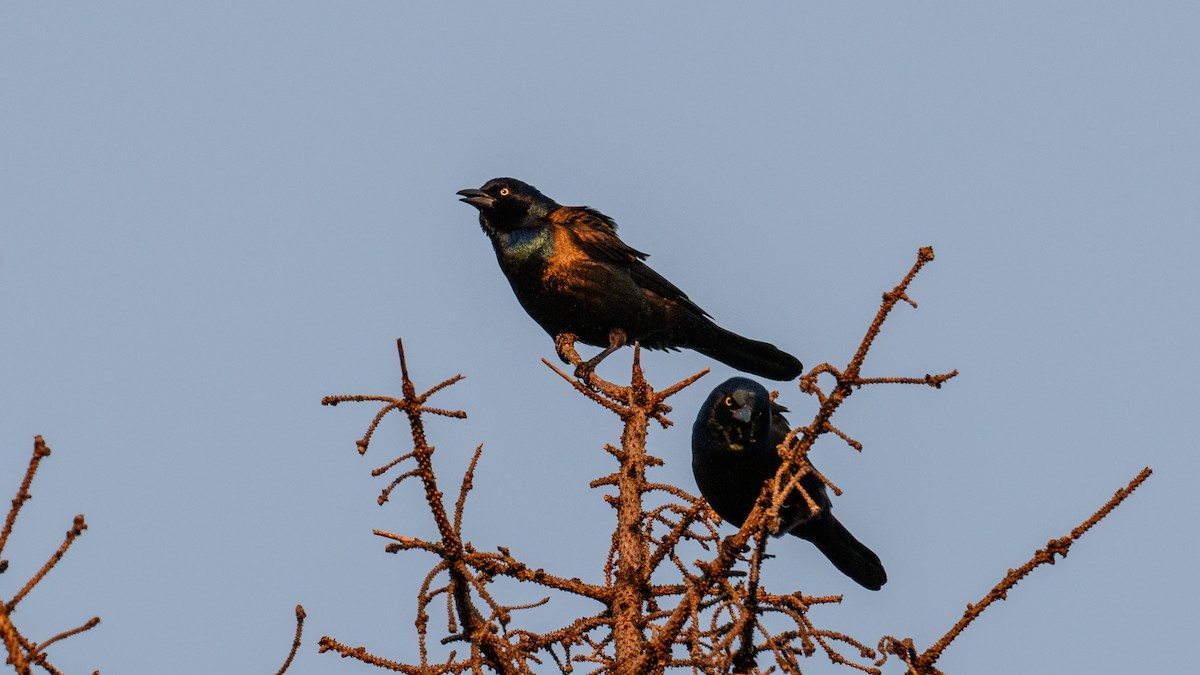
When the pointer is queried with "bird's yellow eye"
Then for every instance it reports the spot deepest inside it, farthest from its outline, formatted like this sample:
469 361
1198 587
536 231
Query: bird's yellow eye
729 402
503 192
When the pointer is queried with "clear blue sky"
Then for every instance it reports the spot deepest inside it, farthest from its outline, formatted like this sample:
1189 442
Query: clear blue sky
211 215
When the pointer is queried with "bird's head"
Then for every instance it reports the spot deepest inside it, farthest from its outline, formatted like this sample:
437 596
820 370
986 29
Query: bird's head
739 411
507 204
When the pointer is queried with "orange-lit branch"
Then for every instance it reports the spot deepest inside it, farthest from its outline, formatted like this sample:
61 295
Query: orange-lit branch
922 664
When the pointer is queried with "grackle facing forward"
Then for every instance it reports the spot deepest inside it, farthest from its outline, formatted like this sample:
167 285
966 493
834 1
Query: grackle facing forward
572 274
734 452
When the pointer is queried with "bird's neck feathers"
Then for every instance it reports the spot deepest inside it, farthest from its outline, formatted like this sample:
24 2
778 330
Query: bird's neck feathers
518 230
732 436
524 250
736 435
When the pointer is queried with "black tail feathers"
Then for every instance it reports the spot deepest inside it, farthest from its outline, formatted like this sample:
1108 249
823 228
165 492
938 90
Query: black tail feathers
749 356
846 553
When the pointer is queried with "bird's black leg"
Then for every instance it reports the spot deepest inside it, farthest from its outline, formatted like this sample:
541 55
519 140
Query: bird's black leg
616 340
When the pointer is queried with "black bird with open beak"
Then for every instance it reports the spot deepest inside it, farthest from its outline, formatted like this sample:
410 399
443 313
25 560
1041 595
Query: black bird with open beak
573 274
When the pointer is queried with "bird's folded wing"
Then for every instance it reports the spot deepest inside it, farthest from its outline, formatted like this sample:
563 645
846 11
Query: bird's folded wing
597 237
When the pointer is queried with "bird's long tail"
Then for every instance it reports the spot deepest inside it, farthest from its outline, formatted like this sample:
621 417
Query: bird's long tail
749 356
846 553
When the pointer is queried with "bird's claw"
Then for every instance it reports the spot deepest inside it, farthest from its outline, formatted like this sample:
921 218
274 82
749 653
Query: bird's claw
583 372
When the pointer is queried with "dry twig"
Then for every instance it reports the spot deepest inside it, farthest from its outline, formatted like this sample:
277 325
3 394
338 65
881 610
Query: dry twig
287 663
22 653
922 664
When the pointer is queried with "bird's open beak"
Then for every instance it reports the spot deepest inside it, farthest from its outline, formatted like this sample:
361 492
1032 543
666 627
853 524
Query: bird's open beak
742 414
477 198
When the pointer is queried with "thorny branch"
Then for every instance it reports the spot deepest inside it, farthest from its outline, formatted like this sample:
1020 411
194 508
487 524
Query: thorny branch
922 664
287 663
658 606
22 653
794 449
467 570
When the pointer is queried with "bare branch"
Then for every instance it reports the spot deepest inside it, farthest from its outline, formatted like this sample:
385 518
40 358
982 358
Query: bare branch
287 663
40 450
22 653
923 664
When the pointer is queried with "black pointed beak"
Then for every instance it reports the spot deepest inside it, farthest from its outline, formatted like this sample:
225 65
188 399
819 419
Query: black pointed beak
742 414
477 198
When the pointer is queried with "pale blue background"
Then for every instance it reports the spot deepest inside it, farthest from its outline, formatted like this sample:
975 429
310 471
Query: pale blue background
213 214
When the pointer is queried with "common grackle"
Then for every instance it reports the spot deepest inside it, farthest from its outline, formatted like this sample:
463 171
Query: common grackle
573 274
734 453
